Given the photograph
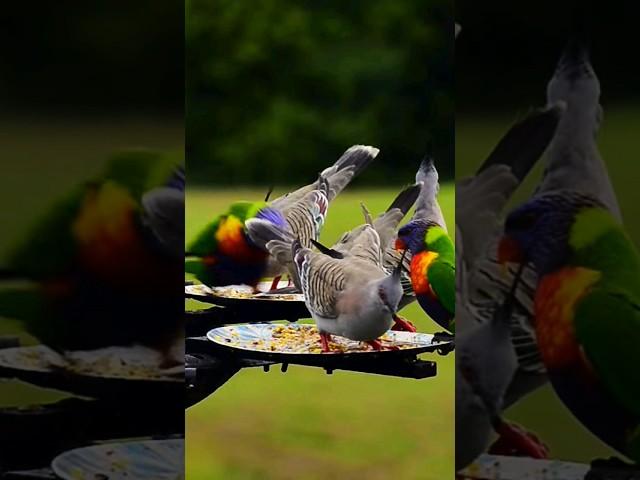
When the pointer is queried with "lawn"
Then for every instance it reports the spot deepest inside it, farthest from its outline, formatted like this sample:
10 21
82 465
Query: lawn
305 424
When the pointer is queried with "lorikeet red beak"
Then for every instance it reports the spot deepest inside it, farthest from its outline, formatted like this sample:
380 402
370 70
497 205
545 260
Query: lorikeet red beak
400 244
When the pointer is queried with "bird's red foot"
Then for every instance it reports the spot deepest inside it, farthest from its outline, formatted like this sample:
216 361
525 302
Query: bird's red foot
325 338
276 281
403 325
377 345
515 441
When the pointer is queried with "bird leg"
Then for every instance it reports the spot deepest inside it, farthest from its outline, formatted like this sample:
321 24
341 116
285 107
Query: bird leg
276 281
377 345
516 441
325 338
402 324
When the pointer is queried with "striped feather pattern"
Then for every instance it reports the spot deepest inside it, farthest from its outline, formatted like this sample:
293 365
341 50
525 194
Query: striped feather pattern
367 247
321 278
307 217
491 284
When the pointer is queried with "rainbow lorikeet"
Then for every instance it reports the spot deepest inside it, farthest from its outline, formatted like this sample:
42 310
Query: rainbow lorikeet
432 267
586 309
103 266
224 253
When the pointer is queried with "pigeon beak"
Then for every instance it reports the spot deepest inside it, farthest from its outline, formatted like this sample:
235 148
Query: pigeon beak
400 244
391 309
509 251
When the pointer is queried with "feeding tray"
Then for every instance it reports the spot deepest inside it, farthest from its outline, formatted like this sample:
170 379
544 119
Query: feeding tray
107 372
300 343
144 460
488 467
234 295
241 305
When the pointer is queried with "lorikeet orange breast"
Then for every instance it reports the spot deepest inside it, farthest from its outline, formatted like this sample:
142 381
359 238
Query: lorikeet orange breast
419 267
110 244
233 242
555 302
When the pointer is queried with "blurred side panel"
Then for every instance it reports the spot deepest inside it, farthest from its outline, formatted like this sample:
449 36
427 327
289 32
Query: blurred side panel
92 215
547 101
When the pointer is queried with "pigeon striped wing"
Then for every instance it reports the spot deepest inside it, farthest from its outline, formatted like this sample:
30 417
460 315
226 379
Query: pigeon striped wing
367 247
490 285
322 279
307 217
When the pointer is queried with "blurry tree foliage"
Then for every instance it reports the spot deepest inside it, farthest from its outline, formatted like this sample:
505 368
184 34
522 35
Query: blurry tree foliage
277 89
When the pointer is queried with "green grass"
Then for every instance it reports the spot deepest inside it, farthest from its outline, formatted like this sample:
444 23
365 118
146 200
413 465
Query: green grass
619 145
305 424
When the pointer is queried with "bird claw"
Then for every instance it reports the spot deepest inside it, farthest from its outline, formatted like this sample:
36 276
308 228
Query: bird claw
274 284
516 441
403 325
325 338
377 346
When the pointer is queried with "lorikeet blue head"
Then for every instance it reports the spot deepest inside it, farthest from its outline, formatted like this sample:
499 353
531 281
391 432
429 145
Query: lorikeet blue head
539 230
412 235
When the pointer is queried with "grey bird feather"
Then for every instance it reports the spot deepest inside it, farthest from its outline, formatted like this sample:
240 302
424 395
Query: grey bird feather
350 164
305 208
351 297
386 227
427 206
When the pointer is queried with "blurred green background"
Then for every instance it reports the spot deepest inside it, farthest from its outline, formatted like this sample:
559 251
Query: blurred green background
80 81
305 424
505 55
290 84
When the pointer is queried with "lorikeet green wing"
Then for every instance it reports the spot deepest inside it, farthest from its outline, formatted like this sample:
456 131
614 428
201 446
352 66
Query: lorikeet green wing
441 275
31 257
607 327
607 319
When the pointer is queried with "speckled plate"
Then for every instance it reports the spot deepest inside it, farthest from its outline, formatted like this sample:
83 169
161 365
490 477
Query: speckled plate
107 372
489 467
237 294
287 342
147 460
